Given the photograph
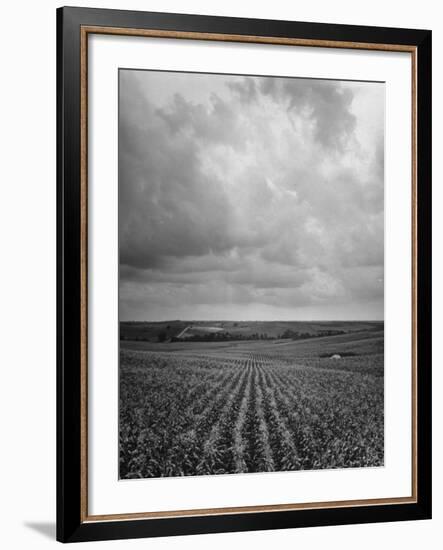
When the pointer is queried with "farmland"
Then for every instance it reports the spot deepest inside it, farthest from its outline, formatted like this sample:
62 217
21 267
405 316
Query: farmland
199 408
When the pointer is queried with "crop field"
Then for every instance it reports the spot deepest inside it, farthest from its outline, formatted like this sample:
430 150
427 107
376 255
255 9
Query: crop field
251 406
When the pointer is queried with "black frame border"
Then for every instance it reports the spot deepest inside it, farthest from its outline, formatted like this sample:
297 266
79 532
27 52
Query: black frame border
70 527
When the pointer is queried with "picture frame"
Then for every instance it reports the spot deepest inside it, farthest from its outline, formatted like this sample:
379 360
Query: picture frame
74 212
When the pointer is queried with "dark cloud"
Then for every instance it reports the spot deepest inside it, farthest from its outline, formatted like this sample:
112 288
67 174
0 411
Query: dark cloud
246 89
325 103
216 123
168 206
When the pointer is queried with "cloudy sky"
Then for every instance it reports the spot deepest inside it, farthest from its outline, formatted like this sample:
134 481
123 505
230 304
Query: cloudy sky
250 198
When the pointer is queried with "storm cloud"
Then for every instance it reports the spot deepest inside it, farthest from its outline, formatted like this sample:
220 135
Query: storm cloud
250 197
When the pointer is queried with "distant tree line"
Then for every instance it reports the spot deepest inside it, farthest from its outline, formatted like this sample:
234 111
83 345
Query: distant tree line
138 338
161 336
294 335
223 337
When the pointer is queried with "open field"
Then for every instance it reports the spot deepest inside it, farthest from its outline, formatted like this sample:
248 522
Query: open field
195 408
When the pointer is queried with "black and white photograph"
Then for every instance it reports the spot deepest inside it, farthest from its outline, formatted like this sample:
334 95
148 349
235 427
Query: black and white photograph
251 274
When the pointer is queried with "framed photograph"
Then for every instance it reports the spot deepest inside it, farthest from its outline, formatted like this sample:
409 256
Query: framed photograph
244 274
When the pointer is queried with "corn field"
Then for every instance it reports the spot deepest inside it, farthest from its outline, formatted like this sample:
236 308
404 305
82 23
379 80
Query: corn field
187 414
